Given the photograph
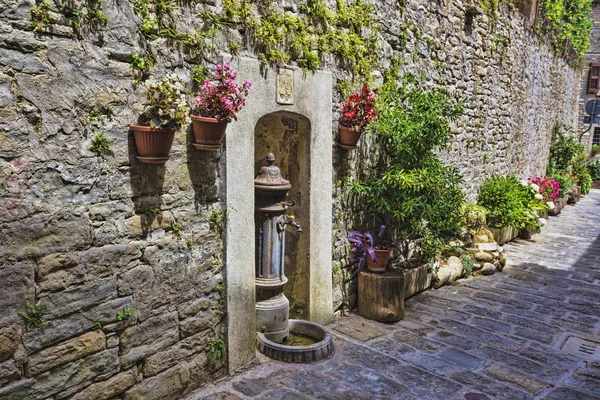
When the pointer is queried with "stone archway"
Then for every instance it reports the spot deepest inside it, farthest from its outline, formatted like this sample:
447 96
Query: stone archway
296 97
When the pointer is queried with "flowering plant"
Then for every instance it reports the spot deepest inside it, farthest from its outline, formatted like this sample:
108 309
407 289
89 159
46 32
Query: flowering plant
167 106
548 188
359 110
221 97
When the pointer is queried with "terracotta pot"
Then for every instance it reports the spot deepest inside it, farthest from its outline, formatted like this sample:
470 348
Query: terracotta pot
153 144
382 257
348 137
208 132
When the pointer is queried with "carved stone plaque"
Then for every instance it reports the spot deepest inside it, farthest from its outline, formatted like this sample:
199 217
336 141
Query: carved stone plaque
285 86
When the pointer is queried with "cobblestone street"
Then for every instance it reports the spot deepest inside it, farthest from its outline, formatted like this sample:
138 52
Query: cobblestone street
514 335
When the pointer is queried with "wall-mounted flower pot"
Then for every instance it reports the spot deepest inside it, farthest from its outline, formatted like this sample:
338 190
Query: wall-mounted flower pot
381 257
153 144
208 132
348 138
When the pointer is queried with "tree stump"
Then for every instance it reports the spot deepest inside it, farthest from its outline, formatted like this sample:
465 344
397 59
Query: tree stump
381 296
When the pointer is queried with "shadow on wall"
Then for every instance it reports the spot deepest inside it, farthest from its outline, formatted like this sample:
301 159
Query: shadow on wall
203 167
146 182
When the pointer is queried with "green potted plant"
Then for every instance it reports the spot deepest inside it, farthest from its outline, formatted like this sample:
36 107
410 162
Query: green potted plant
366 251
218 102
356 114
166 110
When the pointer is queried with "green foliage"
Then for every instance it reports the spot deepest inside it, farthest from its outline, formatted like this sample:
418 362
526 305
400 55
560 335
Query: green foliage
215 350
97 325
565 182
569 25
593 166
40 17
100 144
473 216
176 229
34 315
580 171
100 112
420 194
153 212
595 150
140 65
585 181
563 149
124 314
468 263
218 218
509 202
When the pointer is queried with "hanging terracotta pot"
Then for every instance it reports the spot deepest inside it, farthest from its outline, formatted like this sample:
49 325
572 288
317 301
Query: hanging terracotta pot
153 144
349 137
208 132
381 257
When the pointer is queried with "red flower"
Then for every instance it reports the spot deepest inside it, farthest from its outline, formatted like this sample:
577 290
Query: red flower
359 110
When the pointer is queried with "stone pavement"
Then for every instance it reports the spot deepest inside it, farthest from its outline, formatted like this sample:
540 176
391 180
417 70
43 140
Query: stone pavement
493 337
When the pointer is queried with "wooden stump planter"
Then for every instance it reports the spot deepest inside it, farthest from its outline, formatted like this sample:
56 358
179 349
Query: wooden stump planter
153 144
504 234
381 296
574 195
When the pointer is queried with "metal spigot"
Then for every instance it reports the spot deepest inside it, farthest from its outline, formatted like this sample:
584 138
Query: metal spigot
291 221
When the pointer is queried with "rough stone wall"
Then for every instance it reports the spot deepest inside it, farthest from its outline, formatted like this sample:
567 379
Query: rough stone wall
513 86
90 236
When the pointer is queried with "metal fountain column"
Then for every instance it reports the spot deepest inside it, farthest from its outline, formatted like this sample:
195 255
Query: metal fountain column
272 307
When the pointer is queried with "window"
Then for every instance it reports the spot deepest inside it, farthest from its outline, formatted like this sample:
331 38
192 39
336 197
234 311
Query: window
594 78
596 139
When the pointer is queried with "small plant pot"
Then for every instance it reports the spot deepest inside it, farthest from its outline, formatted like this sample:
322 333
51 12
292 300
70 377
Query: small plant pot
381 260
153 144
349 138
208 132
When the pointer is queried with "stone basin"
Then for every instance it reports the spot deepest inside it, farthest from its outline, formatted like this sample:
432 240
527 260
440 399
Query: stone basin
320 351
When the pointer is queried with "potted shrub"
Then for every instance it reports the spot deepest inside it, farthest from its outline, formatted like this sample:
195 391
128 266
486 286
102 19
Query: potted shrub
218 102
166 110
356 113
565 183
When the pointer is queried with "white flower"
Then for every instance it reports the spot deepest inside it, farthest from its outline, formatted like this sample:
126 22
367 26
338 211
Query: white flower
539 196
535 187
550 205
542 221
524 182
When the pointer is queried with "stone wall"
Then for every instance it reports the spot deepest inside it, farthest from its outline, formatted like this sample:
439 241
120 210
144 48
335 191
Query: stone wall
90 237
592 56
513 86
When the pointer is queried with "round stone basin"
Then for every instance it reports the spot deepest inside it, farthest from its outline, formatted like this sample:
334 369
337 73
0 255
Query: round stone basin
300 332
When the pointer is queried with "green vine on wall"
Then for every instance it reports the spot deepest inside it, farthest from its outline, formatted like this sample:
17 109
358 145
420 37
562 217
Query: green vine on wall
569 23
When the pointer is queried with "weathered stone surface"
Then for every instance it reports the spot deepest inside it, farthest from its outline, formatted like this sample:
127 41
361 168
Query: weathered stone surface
81 297
162 386
27 63
483 256
17 288
175 354
487 246
53 262
135 279
515 378
75 324
488 269
149 337
73 349
10 338
108 389
10 372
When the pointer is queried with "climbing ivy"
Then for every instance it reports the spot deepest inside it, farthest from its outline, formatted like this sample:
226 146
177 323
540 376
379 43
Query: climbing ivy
569 23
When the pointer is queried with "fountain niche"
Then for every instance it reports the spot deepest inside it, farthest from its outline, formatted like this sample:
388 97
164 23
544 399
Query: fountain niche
284 137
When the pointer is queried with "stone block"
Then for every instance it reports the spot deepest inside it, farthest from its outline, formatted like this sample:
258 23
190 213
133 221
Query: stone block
175 354
80 297
10 372
417 280
515 378
488 269
163 386
89 343
56 261
10 338
149 337
483 256
108 389
23 62
17 287
487 246
76 324
135 279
